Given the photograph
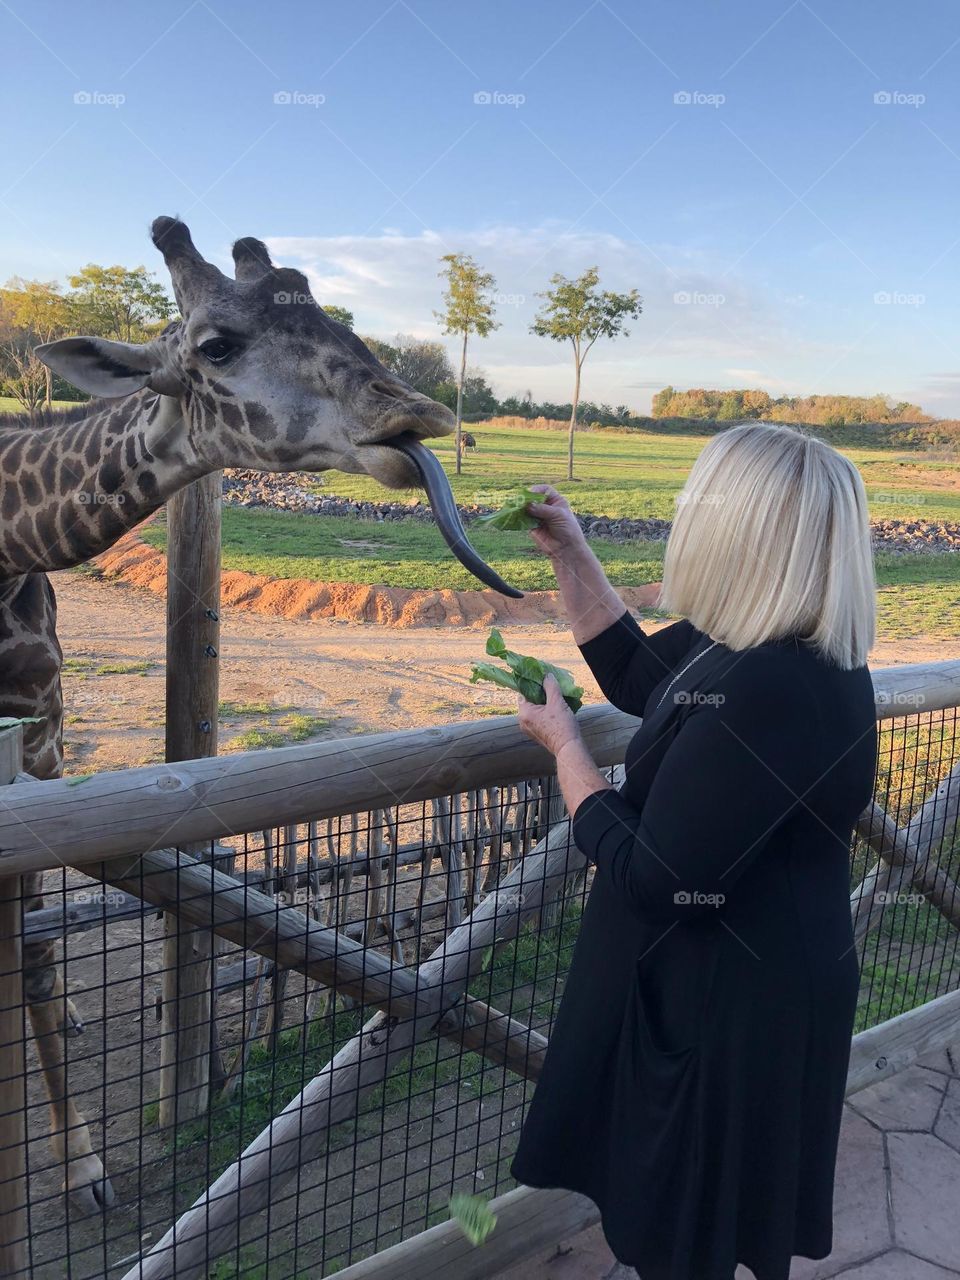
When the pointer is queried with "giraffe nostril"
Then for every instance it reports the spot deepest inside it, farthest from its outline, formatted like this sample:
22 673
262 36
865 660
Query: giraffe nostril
391 390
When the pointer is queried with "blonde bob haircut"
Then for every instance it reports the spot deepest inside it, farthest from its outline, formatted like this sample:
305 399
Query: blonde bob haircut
771 539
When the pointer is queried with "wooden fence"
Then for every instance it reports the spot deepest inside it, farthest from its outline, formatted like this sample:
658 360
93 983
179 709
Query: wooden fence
149 836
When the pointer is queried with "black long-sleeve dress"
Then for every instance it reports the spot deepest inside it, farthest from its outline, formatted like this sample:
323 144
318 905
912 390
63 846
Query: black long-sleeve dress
694 1080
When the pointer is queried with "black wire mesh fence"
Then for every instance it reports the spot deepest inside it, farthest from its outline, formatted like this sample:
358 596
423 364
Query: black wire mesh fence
374 1157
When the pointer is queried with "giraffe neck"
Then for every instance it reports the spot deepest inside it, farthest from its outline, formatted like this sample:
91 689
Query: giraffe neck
68 492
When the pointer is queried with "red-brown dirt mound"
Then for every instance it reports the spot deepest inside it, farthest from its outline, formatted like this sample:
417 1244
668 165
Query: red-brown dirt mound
133 561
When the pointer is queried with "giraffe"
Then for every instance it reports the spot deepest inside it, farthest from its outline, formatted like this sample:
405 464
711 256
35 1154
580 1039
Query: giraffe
253 374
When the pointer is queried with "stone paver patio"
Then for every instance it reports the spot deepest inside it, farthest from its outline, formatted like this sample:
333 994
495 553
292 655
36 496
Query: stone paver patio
896 1200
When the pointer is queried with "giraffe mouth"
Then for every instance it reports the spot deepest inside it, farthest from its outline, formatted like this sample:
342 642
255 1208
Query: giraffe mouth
445 511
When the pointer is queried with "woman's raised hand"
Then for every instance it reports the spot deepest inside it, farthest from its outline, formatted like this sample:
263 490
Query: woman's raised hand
558 534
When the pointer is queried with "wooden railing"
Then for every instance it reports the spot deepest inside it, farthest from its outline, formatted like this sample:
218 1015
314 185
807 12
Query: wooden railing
126 827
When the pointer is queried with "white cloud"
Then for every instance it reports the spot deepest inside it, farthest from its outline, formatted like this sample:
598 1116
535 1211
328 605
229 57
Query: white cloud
695 320
745 378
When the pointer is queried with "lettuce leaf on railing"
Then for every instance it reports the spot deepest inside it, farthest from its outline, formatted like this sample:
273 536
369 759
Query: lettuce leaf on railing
473 1214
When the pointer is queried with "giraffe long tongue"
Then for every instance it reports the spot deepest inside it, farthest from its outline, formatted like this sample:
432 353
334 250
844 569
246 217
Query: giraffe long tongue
446 514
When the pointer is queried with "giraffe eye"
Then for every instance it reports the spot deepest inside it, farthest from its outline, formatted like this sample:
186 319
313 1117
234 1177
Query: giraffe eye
218 350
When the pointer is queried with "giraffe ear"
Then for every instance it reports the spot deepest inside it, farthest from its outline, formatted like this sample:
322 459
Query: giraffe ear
99 366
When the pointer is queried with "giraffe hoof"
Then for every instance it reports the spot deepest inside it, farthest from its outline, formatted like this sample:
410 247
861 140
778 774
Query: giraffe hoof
72 1022
88 1187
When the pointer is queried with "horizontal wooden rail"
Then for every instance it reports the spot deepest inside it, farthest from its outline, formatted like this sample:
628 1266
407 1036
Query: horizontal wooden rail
73 822
916 686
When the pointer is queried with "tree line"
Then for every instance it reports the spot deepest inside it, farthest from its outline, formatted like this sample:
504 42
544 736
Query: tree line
130 306
821 410
127 304
109 302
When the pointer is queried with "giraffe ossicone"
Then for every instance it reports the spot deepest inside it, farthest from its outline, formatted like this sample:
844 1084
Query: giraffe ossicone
253 374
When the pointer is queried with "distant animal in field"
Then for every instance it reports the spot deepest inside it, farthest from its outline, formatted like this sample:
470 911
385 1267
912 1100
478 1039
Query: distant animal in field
467 441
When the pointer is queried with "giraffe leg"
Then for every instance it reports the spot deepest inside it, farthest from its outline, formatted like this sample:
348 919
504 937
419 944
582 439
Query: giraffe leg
30 660
52 1017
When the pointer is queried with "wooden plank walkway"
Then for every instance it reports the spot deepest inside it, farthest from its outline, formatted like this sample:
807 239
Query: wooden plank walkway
897 1195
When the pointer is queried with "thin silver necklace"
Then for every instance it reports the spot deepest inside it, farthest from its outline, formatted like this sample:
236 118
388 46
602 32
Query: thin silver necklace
683 671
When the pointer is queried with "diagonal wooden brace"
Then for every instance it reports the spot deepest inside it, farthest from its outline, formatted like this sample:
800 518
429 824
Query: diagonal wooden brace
904 856
299 1133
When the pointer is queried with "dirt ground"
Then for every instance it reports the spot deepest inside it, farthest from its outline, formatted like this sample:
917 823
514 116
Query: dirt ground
356 677
362 677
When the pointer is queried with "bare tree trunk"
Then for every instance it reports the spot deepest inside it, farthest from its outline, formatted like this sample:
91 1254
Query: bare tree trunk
463 374
573 413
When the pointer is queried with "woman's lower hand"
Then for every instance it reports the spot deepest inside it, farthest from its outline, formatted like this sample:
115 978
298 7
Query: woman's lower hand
552 723
558 534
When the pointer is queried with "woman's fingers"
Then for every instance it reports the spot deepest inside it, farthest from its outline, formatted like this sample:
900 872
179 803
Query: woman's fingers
551 496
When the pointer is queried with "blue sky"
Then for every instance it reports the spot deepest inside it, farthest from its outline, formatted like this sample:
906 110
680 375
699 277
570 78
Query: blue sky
787 227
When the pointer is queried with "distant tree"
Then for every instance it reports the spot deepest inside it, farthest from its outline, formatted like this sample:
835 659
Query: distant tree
119 302
755 403
579 312
424 365
731 407
21 375
660 405
476 395
340 314
37 310
468 308
384 352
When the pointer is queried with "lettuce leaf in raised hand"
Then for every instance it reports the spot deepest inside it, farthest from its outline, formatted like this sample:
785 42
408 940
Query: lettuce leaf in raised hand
514 514
525 675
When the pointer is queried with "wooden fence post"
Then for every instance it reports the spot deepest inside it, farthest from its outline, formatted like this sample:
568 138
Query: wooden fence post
13 1083
193 644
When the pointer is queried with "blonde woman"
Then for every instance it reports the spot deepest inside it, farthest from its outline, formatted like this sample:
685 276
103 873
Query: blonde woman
694 1081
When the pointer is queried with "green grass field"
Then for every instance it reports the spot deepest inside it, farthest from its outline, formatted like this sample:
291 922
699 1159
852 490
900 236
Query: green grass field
628 474
9 405
918 595
636 475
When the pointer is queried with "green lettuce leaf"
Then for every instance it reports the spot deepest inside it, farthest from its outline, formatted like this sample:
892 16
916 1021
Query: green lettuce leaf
525 675
473 1215
514 514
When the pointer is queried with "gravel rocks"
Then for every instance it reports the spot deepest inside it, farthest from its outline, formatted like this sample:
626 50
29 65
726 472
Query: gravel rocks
291 491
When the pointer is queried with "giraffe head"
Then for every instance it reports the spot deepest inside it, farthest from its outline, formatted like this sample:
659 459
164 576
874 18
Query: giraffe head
266 379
